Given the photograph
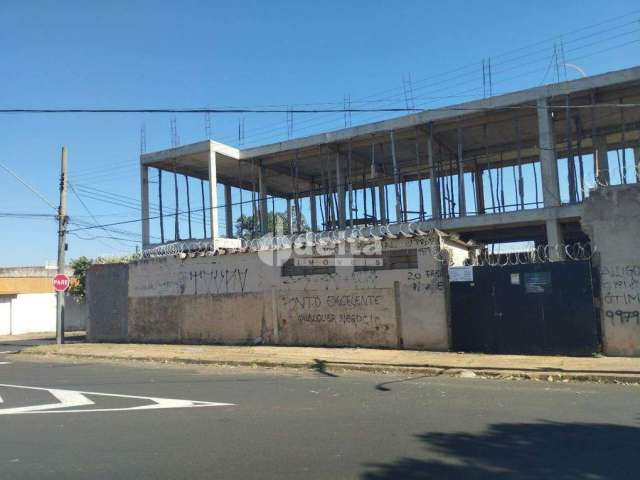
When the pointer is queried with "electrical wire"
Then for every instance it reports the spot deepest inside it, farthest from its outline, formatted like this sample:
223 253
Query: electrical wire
109 175
32 189
84 205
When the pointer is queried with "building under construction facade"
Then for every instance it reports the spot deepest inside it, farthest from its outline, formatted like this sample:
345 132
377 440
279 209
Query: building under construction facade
508 168
375 232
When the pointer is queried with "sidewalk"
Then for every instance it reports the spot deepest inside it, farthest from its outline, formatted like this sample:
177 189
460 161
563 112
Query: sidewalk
38 338
550 368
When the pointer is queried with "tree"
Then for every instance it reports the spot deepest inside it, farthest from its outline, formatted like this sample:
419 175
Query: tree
80 266
248 226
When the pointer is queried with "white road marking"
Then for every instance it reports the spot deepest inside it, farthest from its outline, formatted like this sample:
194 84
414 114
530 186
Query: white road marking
8 351
67 398
5 363
73 398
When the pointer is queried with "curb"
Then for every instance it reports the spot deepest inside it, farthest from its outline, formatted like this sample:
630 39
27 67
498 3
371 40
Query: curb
326 367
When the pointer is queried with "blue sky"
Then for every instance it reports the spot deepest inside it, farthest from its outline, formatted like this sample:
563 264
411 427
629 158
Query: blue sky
247 53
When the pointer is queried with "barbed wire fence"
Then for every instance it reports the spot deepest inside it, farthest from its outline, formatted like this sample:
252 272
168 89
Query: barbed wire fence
542 253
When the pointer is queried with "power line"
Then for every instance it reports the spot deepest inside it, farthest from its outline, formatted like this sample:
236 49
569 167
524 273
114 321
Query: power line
249 110
27 215
106 237
200 110
457 75
33 190
84 205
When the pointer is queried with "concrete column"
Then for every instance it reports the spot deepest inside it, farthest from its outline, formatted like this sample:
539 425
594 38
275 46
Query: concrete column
144 192
433 177
396 179
382 201
314 213
555 240
342 219
289 216
228 210
477 176
601 161
548 164
213 197
262 193
462 200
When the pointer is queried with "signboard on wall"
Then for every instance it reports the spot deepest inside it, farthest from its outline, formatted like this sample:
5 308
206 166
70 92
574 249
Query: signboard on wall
461 274
537 282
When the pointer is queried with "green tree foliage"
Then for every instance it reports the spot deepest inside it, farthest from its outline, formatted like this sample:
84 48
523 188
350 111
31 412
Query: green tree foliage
80 266
247 226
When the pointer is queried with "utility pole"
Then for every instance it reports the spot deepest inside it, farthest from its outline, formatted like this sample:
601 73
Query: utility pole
62 244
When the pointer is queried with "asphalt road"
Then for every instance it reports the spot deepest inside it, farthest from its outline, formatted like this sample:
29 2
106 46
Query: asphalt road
285 424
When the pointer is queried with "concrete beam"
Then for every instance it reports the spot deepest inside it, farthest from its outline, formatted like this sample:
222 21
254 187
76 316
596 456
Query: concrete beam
548 164
468 108
517 218
189 150
144 193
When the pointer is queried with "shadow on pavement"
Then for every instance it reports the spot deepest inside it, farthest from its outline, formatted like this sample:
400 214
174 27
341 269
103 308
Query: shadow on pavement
320 366
382 387
523 451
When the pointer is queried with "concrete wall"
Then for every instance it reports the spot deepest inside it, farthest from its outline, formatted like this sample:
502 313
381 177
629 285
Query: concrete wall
5 314
365 317
12 285
76 313
240 298
14 280
107 298
612 221
33 312
36 312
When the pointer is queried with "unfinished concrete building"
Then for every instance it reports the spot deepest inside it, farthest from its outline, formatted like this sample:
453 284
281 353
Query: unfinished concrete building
512 167
552 165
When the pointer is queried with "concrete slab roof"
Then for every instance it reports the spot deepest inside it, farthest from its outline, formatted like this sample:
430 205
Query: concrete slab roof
488 128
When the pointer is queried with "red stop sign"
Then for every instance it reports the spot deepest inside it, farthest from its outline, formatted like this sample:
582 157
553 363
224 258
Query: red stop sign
60 282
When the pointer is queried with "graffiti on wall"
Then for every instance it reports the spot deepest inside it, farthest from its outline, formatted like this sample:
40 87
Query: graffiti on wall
196 281
426 281
621 293
228 280
356 308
